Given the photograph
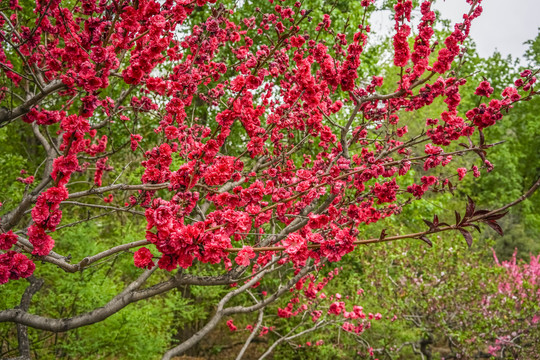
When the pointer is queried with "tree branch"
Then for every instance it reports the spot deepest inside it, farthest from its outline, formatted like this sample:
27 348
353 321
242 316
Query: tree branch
252 335
7 116
222 311
22 330
315 327
120 301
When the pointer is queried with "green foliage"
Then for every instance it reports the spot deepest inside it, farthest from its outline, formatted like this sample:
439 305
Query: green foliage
533 52
66 295
387 273
516 160
438 296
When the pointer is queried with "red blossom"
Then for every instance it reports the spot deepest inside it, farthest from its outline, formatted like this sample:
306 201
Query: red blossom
143 258
294 243
244 256
41 241
231 326
7 240
135 139
484 89
14 266
289 93
461 173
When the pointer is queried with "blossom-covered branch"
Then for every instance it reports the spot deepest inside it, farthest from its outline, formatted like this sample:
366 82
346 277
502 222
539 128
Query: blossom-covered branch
247 136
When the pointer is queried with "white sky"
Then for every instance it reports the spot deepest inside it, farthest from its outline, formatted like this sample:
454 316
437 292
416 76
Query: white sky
504 24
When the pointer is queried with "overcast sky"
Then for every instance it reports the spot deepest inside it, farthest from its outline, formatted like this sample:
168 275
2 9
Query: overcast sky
504 24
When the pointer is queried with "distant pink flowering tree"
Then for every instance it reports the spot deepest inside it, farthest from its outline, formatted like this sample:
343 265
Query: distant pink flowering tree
519 286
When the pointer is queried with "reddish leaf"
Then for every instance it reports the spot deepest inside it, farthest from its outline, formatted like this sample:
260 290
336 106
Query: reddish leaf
426 240
495 226
429 224
496 216
383 235
470 207
458 218
467 235
450 188
482 154
480 212
473 225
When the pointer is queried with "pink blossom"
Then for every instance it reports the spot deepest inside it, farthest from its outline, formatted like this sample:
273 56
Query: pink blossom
244 256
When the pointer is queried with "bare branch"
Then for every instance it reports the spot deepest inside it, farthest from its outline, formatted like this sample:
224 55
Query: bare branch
120 301
288 337
220 312
7 116
22 330
106 207
252 335
123 187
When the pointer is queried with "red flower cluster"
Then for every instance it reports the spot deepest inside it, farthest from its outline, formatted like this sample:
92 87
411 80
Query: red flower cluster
402 53
231 326
484 89
143 258
309 297
292 93
244 256
7 240
14 266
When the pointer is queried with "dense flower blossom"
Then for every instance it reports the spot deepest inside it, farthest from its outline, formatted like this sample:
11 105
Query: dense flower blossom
221 171
7 240
336 308
294 244
200 201
43 243
244 256
386 192
461 173
14 266
484 89
143 258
